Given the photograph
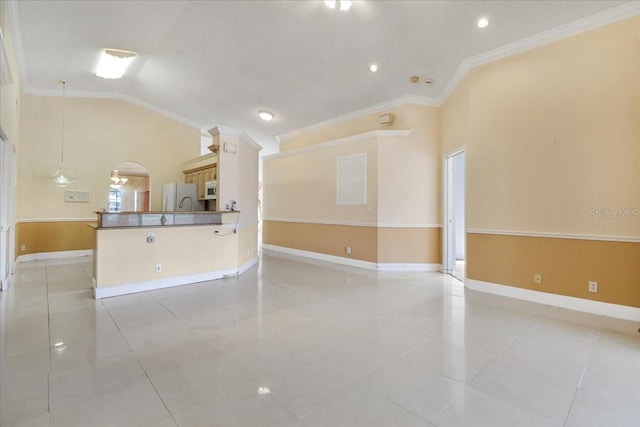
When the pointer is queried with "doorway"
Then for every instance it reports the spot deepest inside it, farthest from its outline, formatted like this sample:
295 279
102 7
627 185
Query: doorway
454 241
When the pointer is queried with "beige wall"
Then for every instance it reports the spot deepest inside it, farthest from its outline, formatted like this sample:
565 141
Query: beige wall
403 190
409 178
566 265
555 133
455 118
10 95
326 239
302 187
553 141
124 256
99 134
53 236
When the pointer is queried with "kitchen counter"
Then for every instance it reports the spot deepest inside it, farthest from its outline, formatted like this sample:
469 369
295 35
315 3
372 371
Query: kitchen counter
160 219
135 252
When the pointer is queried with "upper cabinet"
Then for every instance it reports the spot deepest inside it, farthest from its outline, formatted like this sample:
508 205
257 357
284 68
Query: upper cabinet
200 175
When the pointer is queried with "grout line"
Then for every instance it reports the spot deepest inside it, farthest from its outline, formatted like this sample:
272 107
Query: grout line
138 361
154 388
46 280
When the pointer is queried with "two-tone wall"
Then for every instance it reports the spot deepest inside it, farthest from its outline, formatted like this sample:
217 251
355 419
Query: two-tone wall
398 225
99 134
238 165
552 137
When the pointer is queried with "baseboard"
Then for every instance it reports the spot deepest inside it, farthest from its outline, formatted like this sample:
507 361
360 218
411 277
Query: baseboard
54 255
572 303
410 266
321 257
353 262
152 285
247 265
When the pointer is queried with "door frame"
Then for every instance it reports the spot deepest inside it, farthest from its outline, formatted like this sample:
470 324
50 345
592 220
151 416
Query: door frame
448 234
8 177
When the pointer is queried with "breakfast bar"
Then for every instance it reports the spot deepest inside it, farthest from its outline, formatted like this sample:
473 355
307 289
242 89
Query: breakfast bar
142 251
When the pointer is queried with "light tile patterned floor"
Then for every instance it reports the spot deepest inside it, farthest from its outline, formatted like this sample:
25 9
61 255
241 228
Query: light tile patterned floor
301 343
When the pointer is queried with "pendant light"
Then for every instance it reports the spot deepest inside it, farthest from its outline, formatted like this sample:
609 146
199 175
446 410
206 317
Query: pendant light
63 177
116 180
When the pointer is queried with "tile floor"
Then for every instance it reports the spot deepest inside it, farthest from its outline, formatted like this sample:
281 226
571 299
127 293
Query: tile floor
299 343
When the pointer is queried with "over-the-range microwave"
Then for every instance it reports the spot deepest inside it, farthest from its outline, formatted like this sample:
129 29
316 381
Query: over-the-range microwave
211 190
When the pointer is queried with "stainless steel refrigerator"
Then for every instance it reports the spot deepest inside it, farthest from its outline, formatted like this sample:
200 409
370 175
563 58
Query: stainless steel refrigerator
181 198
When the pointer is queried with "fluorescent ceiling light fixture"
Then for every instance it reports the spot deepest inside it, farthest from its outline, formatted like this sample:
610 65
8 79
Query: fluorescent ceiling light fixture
373 68
265 115
345 5
483 22
113 63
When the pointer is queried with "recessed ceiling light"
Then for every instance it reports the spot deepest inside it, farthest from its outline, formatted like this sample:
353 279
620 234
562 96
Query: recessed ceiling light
265 115
264 390
373 68
483 22
113 63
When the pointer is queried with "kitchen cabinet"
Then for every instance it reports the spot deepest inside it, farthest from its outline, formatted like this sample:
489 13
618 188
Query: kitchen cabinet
201 175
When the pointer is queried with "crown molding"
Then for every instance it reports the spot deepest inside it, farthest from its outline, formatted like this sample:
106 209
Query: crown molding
351 138
221 130
606 17
407 99
119 96
16 35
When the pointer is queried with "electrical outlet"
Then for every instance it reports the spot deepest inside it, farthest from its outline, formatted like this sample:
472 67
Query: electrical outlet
348 250
158 268
23 248
593 287
537 278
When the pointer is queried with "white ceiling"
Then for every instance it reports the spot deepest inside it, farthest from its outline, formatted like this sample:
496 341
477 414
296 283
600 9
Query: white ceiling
215 63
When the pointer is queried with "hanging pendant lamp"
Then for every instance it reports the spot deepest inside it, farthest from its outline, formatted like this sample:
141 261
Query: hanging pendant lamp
63 177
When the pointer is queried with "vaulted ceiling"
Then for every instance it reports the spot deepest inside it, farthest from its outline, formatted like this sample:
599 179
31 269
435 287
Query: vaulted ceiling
218 62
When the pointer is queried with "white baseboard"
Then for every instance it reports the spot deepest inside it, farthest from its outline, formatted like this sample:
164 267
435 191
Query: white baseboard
353 262
409 266
247 265
572 303
54 255
151 285
321 257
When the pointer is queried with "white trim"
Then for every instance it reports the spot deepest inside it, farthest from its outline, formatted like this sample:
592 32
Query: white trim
320 257
221 130
209 156
119 96
352 138
352 223
629 239
368 265
606 17
572 303
396 102
16 35
26 220
247 265
54 255
150 285
409 266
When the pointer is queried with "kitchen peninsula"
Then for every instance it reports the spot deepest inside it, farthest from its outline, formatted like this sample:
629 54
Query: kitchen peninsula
143 251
